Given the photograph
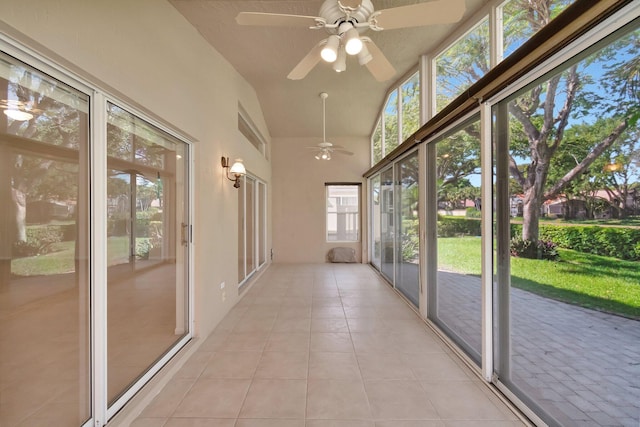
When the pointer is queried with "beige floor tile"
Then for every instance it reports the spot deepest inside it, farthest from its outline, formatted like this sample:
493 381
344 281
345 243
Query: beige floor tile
269 423
478 423
331 342
461 400
373 343
148 422
435 367
288 342
410 423
168 399
361 313
339 423
292 325
327 301
247 341
213 398
232 364
333 366
399 400
199 422
275 398
338 400
381 366
295 311
194 366
327 312
367 325
329 325
285 365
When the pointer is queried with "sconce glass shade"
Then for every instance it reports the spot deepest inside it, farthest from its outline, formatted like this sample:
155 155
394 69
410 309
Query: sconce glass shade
238 168
18 115
353 44
330 50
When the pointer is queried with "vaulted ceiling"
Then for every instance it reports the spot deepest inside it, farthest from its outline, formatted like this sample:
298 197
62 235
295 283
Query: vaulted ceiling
264 56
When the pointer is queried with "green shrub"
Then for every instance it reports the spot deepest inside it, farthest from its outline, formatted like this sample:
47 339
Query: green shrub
542 249
456 226
40 241
472 213
617 242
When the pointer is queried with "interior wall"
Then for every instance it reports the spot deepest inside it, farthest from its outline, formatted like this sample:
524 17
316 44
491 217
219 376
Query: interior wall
299 200
150 56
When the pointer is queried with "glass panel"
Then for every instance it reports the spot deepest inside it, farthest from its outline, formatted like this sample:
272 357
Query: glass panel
410 106
572 160
391 123
387 223
375 221
45 340
407 268
522 19
241 231
250 225
378 151
262 213
147 281
343 217
462 64
458 242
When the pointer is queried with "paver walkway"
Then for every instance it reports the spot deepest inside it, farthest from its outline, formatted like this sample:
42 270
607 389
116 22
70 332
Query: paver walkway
582 366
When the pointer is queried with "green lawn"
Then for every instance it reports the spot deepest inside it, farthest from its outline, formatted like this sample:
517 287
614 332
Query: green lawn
61 259
591 281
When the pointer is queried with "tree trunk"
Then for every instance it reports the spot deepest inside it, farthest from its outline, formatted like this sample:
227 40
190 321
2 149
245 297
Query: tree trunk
531 214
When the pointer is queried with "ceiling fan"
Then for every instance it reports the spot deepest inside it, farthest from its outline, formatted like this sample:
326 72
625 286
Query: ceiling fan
325 149
346 20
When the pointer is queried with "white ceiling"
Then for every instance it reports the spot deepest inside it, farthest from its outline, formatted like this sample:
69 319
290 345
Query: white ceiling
264 56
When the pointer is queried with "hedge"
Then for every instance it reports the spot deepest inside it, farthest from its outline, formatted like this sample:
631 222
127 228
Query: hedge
458 226
617 242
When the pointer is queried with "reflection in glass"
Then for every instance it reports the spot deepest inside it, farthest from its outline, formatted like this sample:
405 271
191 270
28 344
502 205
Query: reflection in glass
462 64
391 137
408 256
147 282
375 221
250 225
572 161
387 213
262 214
410 106
458 242
45 335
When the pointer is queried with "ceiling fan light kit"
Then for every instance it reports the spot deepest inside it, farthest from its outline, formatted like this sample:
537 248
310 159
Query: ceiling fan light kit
325 148
345 25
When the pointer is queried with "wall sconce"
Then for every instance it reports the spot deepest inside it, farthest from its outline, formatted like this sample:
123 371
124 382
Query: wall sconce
237 170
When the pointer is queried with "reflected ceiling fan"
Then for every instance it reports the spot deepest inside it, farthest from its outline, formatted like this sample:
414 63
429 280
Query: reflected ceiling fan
325 149
346 20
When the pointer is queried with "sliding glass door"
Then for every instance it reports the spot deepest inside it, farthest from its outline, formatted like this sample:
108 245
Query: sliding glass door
45 309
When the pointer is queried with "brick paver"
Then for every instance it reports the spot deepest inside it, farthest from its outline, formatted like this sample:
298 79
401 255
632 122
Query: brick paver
582 366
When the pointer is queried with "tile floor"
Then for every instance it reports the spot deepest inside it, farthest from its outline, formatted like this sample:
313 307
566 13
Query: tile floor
324 345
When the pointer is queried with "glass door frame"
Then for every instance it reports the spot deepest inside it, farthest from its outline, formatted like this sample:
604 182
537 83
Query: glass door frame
96 167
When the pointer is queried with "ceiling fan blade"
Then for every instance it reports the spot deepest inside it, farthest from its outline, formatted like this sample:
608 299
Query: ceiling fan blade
308 62
415 15
379 65
278 20
342 151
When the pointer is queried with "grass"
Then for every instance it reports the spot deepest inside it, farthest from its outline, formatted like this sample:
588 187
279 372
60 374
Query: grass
591 281
633 221
61 259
